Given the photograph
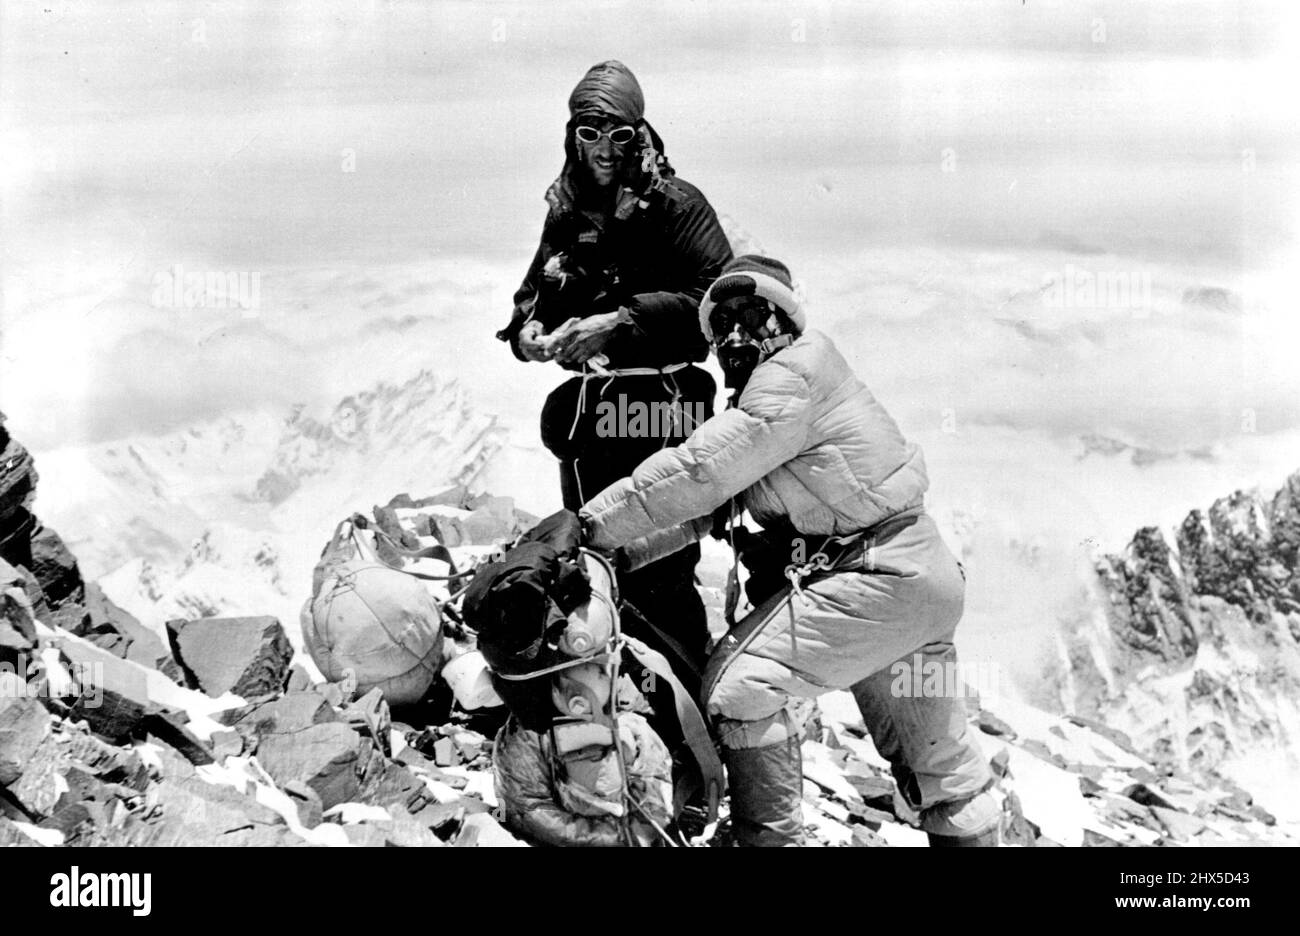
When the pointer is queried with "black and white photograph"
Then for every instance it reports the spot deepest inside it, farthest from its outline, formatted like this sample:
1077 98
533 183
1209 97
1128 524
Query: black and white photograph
650 425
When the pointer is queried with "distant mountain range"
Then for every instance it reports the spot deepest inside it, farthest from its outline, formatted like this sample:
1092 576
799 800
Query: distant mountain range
1194 649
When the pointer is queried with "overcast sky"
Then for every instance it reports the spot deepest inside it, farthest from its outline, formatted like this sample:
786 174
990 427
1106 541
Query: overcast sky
410 144
164 130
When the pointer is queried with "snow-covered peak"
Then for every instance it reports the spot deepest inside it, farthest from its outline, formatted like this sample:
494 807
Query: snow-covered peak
1195 651
378 440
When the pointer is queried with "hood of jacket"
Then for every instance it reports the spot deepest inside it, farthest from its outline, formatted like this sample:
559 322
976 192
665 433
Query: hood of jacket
610 89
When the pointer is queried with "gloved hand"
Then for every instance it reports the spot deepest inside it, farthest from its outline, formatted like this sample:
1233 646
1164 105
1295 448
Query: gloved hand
743 540
562 530
661 543
721 518
533 342
585 530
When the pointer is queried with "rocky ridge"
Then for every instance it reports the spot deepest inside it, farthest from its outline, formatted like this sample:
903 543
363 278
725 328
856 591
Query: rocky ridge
1196 648
221 738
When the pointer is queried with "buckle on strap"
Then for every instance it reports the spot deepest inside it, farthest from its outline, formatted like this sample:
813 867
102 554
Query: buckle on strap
821 561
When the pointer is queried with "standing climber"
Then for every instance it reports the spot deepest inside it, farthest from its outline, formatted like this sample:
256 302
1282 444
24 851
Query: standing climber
627 250
850 575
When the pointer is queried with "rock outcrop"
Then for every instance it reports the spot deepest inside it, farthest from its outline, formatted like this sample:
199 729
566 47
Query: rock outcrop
246 656
106 739
51 577
1197 650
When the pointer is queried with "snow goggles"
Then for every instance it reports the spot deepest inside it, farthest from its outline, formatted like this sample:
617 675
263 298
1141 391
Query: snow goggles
619 136
750 313
737 325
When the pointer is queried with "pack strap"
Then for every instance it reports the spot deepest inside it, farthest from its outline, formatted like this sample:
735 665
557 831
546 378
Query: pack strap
694 730
837 554
669 641
558 667
612 669
834 552
738 639
818 563
436 551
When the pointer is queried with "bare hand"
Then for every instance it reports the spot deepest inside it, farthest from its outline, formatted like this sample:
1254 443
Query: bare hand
588 337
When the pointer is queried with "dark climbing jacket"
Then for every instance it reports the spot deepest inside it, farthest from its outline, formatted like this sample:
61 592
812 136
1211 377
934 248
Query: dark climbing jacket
651 243
654 247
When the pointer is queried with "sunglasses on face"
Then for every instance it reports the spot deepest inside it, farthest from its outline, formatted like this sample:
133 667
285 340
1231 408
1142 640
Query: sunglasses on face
619 136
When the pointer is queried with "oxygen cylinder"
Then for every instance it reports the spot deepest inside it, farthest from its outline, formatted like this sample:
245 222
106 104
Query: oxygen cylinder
592 624
581 691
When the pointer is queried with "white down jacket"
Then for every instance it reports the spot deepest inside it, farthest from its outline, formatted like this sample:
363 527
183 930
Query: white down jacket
806 442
